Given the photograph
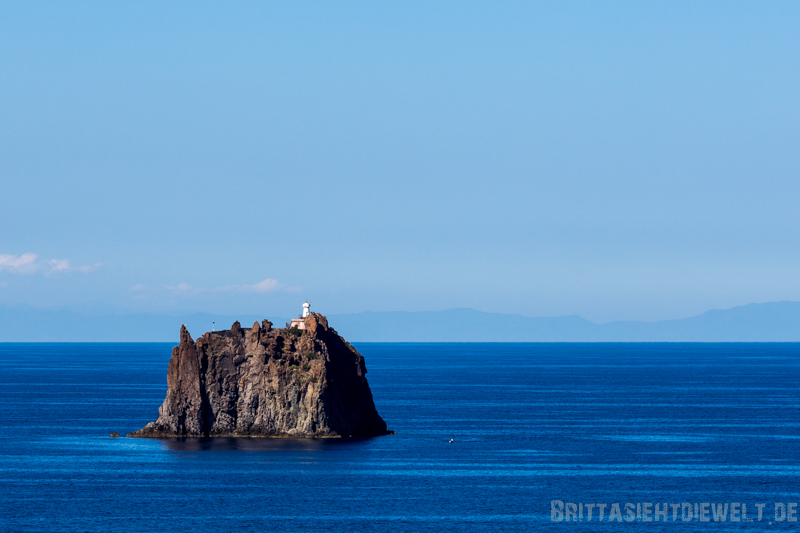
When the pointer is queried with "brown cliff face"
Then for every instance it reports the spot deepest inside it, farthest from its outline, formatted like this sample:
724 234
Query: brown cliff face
264 382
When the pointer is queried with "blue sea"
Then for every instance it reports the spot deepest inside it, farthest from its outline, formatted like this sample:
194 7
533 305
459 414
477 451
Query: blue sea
531 424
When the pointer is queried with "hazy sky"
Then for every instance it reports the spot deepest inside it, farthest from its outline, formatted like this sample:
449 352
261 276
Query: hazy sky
614 160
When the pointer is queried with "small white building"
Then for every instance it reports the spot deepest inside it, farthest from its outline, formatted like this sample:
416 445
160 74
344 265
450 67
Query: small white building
300 323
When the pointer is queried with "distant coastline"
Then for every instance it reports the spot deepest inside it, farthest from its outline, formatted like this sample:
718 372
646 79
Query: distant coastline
765 322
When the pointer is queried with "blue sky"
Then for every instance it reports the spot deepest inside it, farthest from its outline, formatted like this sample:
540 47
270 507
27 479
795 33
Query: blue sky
616 160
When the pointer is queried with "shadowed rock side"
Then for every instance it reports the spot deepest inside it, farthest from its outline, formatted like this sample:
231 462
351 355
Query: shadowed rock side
265 382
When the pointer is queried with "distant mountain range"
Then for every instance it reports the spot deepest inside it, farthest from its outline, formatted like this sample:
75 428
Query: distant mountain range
768 322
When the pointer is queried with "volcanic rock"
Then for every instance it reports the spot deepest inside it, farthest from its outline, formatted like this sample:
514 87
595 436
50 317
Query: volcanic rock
267 382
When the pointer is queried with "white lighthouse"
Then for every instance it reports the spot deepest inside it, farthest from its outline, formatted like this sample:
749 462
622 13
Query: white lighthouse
300 323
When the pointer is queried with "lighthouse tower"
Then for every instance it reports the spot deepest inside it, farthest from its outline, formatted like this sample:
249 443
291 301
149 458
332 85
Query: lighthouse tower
300 323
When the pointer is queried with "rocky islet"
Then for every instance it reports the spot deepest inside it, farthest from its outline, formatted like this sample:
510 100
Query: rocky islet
267 382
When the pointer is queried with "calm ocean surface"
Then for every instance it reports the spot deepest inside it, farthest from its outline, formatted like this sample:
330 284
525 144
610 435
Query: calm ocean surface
531 423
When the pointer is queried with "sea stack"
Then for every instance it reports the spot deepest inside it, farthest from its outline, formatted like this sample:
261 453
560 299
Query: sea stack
300 381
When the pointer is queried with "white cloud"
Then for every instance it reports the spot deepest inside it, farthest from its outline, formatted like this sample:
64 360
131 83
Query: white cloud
262 287
22 264
182 287
58 265
29 263
90 268
268 285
